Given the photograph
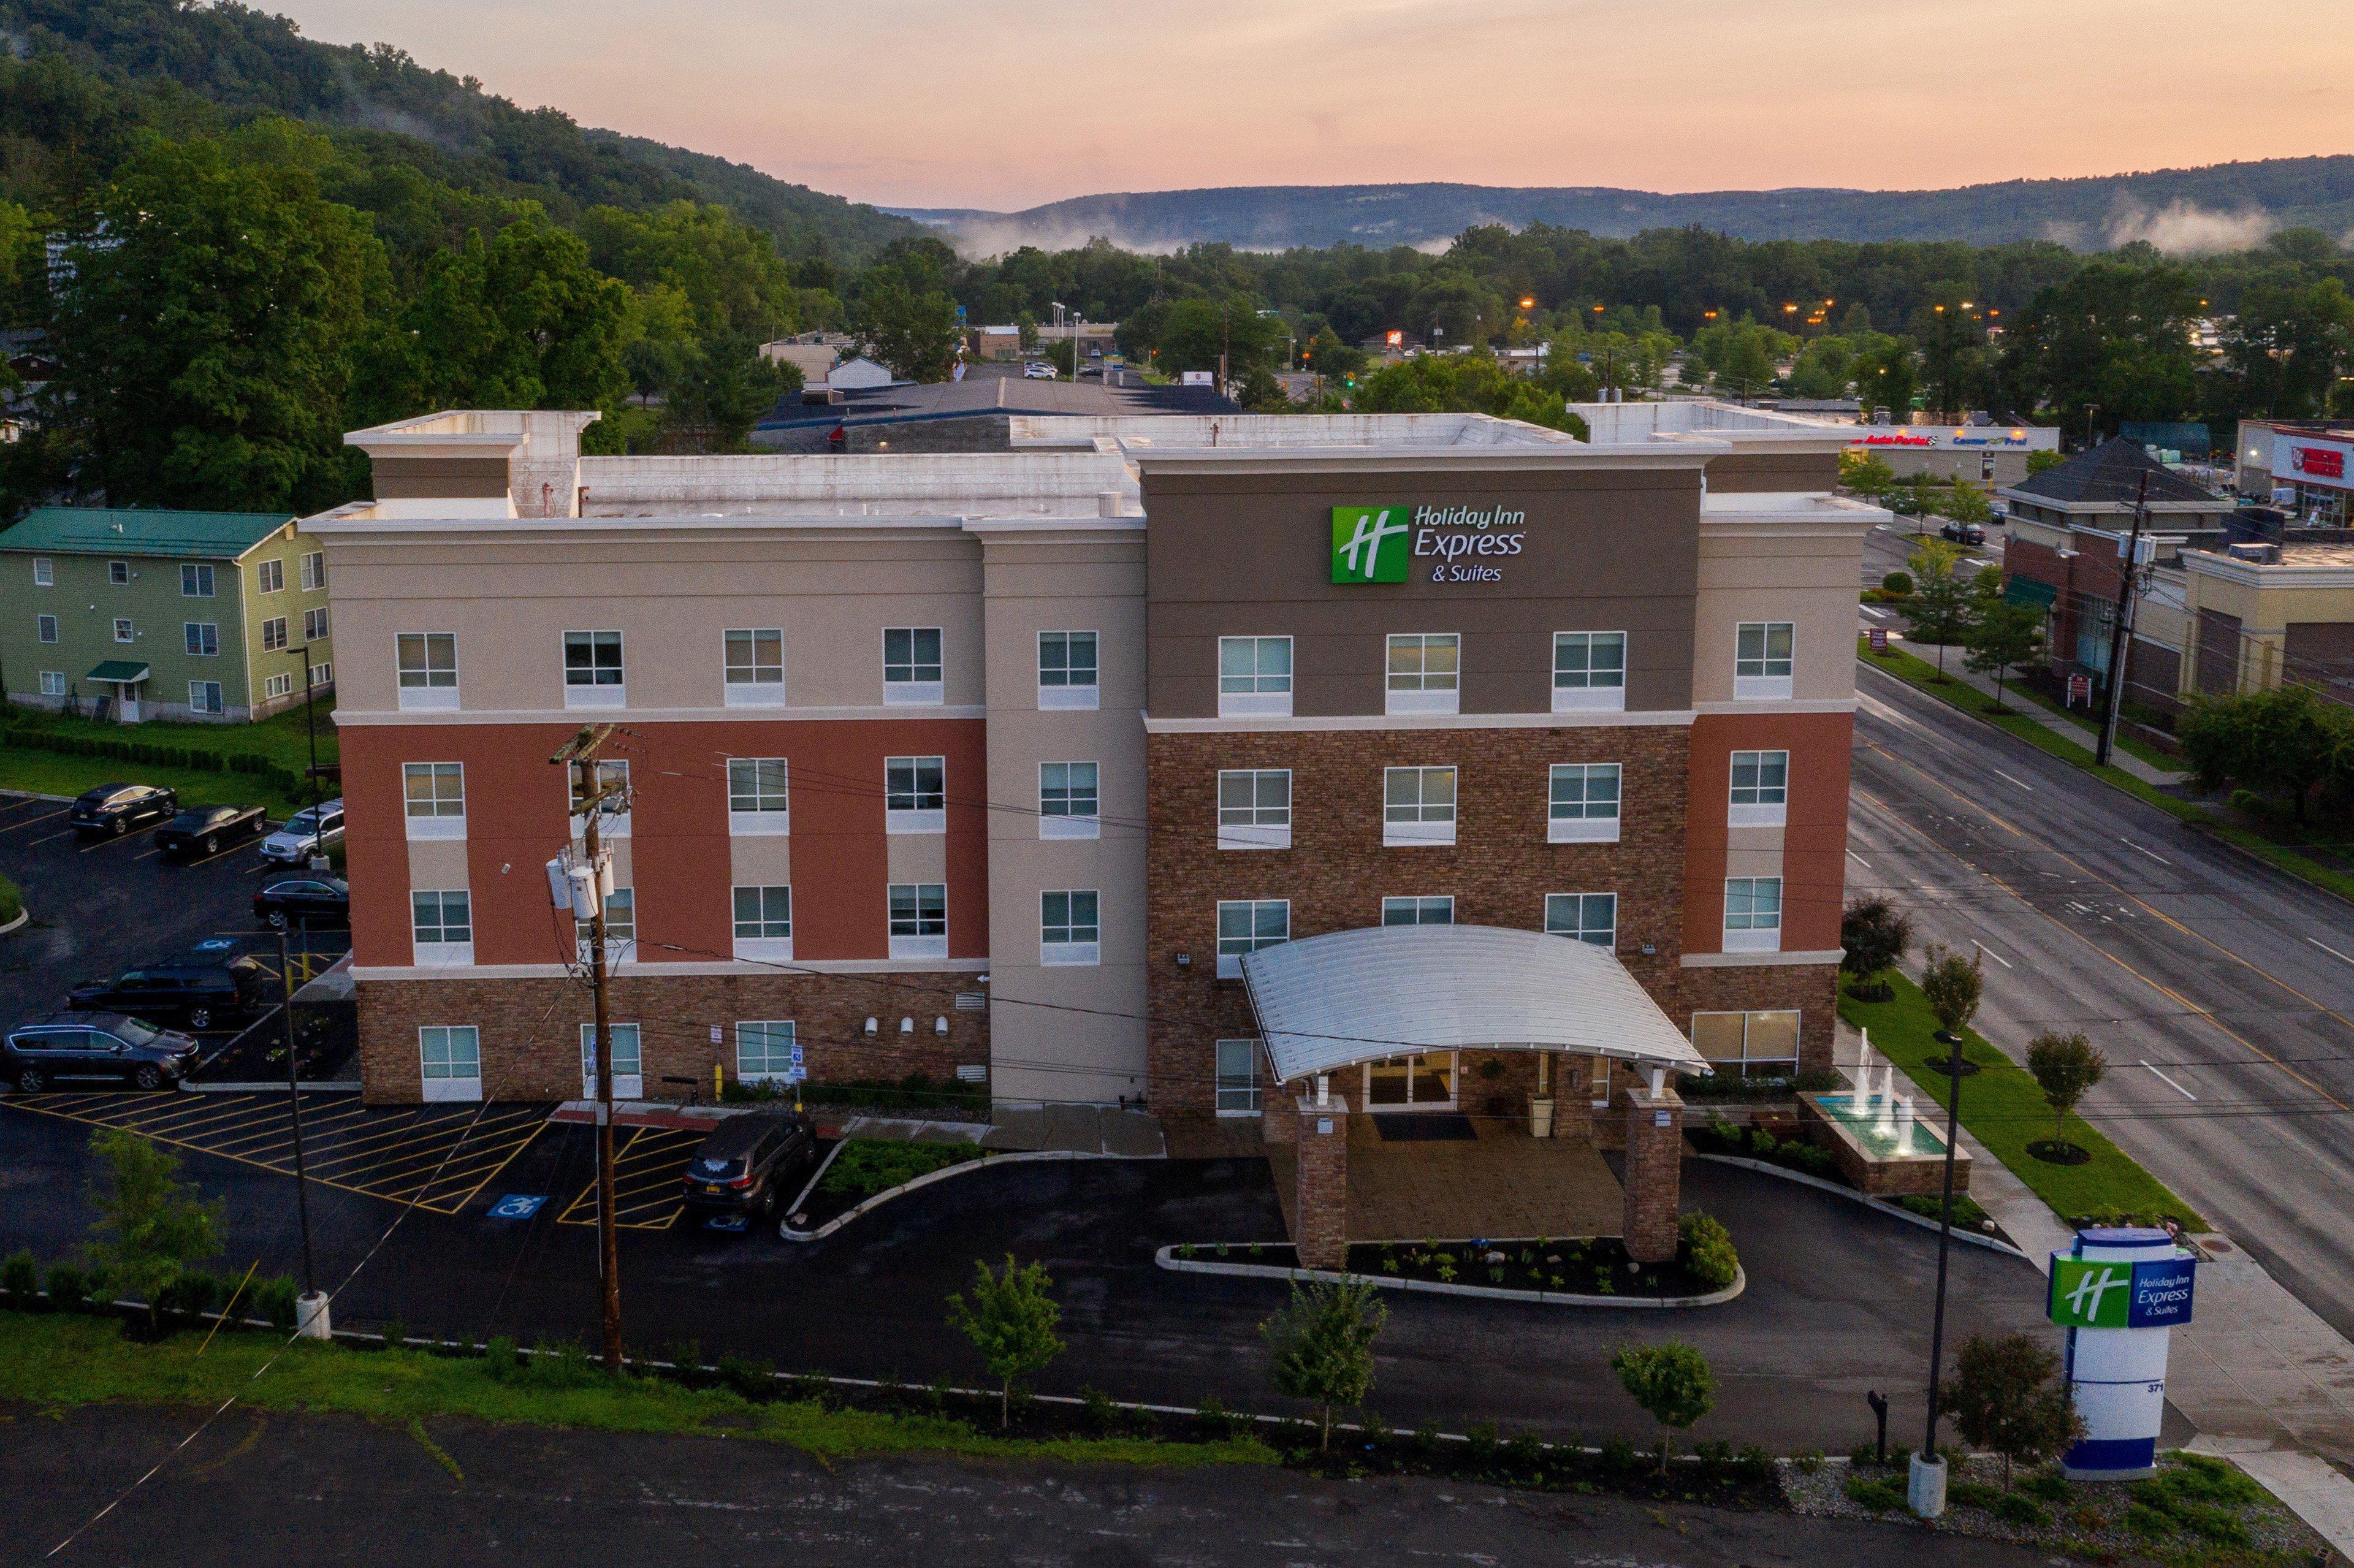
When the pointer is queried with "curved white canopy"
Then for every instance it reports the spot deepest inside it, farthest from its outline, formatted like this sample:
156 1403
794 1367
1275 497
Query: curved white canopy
1358 996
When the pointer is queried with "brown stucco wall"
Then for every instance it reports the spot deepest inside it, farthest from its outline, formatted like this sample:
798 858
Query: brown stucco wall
1776 473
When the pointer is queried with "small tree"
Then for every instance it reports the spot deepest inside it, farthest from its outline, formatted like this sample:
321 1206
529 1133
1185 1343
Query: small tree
1321 1345
1874 936
2043 462
1967 504
1011 1319
2005 1397
2002 638
1952 985
1672 1382
1866 473
2287 739
2064 1068
152 1228
1940 611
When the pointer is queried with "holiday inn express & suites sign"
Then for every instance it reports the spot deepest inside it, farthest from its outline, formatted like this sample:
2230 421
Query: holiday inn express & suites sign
2151 1294
1379 544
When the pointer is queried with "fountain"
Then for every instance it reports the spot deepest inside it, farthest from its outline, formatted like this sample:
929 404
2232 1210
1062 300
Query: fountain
1878 1140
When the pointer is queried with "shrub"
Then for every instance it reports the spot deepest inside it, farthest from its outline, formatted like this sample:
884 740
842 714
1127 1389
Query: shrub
868 1166
1483 1442
1102 1414
1898 583
275 1300
1885 1495
2006 1397
561 1366
70 1289
502 1359
1707 1251
189 1294
20 1277
1217 1422
12 903
396 1333
752 1379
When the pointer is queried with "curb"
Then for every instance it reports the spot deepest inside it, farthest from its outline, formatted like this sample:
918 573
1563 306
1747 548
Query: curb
1975 1238
963 1167
276 1087
23 914
1165 1258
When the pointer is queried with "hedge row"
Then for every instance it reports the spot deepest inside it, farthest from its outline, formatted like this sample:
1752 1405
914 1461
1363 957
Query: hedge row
202 758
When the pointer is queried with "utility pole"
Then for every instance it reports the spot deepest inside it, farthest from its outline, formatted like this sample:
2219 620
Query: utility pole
294 1110
587 885
2120 634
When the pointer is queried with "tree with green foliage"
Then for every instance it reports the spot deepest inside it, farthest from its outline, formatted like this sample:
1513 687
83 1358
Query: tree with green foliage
2065 1068
915 335
152 1228
1966 503
1874 936
722 388
1886 375
1952 985
2116 334
1462 384
1940 611
2288 740
2006 1397
2002 638
1011 1320
2043 462
1672 1382
1865 473
1321 1346
1327 355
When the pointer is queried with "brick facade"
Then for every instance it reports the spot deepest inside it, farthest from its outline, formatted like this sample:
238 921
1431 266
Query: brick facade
1322 1235
1655 1142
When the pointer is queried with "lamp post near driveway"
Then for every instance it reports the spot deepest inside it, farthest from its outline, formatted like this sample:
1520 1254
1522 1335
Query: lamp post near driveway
311 1317
309 722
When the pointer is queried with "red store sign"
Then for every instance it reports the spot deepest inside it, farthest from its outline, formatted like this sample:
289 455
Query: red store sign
2316 462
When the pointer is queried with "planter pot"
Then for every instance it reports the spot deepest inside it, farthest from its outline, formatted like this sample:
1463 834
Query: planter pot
1540 1119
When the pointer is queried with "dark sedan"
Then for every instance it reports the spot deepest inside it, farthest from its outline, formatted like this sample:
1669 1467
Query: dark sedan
119 808
106 1045
205 829
319 902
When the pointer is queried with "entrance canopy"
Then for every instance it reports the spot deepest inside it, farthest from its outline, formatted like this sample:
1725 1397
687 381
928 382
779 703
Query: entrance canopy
125 669
1328 1003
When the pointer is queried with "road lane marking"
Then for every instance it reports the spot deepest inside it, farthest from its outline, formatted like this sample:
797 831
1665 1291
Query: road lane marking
1865 863
2020 783
2170 1084
2138 849
1989 952
1875 614
2327 949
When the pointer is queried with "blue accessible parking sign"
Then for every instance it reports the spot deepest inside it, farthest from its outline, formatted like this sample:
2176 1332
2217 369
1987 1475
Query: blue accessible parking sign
517 1206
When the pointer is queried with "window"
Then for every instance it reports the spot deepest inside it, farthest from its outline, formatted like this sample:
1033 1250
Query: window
315 625
764 922
203 638
44 572
1237 1077
428 669
1244 926
451 1059
1584 916
1418 911
758 800
124 630
592 670
314 571
915 795
920 920
754 668
1067 932
1761 659
1068 806
1418 806
1425 672
322 675
436 793
204 696
277 685
53 682
1066 669
118 573
620 928
1255 677
766 1051
196 579
1752 914
270 576
614 820
911 665
1747 1042
1254 808
49 625
443 924
273 635
1589 672
1584 803
628 1068
1760 789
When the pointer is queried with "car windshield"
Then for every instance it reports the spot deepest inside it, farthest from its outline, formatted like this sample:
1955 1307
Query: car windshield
301 822
131 1032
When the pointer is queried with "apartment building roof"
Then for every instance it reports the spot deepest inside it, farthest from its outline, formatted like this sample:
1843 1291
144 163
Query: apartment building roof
137 531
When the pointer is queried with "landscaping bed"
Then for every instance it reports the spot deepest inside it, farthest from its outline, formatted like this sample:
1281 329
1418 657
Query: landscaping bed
1595 1266
1718 1136
867 1167
915 1097
326 1042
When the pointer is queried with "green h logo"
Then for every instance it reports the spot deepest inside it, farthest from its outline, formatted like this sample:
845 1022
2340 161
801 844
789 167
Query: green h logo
2086 1295
1369 544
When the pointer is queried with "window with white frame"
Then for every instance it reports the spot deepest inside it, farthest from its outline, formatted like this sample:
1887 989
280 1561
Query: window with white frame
1238 1077
270 577
620 928
124 630
911 667
1763 1043
609 780
314 624
1247 924
1760 789
764 1051
1066 669
1418 806
273 635
1069 804
1584 804
450 1060
1255 677
428 664
201 638
915 795
1762 660
117 574
593 674
764 922
314 571
1255 808
53 682
45 572
1582 916
919 919
1417 911
754 667
435 799
196 579
1425 672
277 685
1752 914
1067 928
49 626
205 697
441 922
1589 672
323 673
758 798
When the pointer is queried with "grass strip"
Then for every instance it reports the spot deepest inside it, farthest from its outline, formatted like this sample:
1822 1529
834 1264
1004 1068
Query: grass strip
55 1359
2004 1109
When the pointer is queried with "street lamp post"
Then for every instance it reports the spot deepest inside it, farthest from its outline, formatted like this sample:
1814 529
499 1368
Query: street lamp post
312 1320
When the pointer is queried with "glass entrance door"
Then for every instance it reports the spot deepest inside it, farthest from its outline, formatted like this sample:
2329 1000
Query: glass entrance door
1411 1083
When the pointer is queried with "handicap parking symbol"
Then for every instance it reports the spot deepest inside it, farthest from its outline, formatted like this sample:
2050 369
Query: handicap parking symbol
517 1206
732 1224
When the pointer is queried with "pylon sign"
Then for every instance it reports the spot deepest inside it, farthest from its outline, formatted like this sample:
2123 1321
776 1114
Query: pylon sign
2118 1292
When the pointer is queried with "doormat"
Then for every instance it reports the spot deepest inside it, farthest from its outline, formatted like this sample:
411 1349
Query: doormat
1424 1126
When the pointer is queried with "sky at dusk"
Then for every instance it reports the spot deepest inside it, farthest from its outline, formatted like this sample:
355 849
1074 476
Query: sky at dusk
1008 103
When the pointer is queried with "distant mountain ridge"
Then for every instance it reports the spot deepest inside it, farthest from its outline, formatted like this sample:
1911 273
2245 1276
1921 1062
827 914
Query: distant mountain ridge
2219 206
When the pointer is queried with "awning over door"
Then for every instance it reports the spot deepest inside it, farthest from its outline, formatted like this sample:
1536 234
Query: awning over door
119 670
2029 594
1386 990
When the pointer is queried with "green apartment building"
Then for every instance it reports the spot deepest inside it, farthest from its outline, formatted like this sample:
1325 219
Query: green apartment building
135 615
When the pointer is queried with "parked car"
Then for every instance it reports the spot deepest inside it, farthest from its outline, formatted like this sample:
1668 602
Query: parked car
203 830
1034 370
307 833
201 991
94 1045
750 1164
119 808
314 901
1962 532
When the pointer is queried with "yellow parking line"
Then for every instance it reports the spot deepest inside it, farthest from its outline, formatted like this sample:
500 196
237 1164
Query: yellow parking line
385 1161
462 1185
134 1110
372 1152
187 1119
314 1122
200 1148
280 1135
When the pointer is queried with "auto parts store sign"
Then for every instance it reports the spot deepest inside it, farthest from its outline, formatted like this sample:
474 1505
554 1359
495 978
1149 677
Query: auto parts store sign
1463 544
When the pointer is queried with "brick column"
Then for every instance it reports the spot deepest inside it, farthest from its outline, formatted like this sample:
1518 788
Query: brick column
1573 1095
1323 1190
1276 1122
1654 1140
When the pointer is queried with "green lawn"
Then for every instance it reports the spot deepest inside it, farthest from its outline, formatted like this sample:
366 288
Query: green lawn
2002 1106
280 738
55 1359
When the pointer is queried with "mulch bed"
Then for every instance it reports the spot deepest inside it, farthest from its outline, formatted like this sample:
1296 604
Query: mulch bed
1595 1267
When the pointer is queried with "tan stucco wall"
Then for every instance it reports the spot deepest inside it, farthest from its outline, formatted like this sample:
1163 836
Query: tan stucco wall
1773 572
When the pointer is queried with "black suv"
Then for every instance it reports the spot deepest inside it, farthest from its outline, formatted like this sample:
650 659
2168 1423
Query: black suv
200 991
119 808
94 1045
747 1165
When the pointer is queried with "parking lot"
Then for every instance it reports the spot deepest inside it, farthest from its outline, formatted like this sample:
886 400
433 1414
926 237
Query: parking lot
648 1162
